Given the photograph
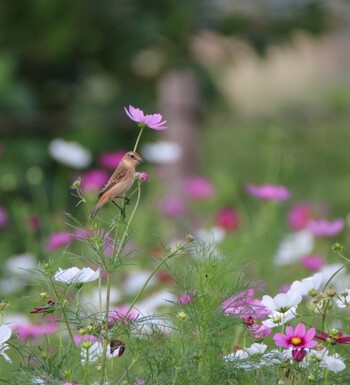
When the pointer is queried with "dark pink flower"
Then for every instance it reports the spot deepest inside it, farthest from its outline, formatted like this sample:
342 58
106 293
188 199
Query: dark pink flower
3 217
298 338
33 223
335 337
58 240
325 228
94 180
111 159
199 188
298 216
299 354
312 262
152 121
172 206
268 192
83 233
228 219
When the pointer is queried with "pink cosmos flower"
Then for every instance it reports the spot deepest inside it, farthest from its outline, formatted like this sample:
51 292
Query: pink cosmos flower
199 188
259 331
298 216
325 228
111 159
94 180
83 233
298 338
185 298
58 240
228 219
119 315
312 262
3 217
172 206
86 337
32 331
245 307
153 121
143 176
268 192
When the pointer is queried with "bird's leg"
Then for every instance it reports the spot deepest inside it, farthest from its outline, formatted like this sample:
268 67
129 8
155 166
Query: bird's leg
127 200
122 209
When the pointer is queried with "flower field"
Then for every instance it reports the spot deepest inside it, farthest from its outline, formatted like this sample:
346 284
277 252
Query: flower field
242 279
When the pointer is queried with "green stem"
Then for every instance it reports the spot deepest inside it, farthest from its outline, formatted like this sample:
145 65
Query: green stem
126 372
160 264
105 339
142 126
59 299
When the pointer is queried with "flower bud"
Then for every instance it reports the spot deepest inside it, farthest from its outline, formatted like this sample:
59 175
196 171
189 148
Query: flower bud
182 316
86 345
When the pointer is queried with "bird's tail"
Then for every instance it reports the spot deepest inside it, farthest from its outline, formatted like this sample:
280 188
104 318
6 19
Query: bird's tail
99 204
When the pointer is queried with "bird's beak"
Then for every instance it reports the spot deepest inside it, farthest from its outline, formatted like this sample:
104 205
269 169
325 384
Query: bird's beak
141 161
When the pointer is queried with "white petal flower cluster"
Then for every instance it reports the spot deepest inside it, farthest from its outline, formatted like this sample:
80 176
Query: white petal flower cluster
333 363
74 275
95 351
70 153
308 285
5 334
162 152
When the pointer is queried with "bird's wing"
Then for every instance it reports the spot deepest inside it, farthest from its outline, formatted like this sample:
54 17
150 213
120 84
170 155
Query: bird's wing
119 175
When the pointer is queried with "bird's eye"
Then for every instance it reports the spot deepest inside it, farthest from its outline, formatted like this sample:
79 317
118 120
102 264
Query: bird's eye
132 156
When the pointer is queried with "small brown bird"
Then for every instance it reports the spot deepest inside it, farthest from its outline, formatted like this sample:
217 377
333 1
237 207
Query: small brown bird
120 182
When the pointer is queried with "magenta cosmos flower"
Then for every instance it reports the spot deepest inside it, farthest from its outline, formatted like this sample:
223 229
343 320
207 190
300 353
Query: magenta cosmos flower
299 215
228 219
58 240
111 159
153 121
298 338
268 192
199 188
324 228
94 180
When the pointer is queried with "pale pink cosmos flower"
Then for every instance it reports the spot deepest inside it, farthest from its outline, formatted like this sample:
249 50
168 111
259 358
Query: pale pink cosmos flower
111 159
259 331
86 337
34 331
185 298
298 338
120 314
94 180
172 206
312 262
58 240
268 192
153 121
325 228
199 188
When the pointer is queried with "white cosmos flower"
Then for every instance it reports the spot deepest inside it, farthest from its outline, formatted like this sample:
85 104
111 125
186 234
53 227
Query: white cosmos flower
337 274
308 285
343 300
333 363
20 264
75 275
70 153
161 152
95 351
277 318
214 235
294 246
282 302
5 334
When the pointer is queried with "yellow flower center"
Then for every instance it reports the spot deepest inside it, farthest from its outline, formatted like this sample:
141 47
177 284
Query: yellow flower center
295 341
